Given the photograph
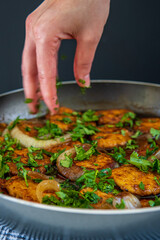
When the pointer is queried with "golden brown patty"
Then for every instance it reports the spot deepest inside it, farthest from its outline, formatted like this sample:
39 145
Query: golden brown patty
147 123
102 204
16 187
110 140
111 116
128 178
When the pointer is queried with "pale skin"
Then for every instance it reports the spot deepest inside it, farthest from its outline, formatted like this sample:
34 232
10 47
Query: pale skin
51 22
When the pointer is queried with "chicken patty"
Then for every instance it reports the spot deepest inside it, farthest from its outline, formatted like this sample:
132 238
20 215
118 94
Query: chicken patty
130 178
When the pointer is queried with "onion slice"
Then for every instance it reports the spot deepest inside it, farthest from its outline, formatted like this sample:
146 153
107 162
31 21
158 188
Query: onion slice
130 200
28 141
72 172
46 185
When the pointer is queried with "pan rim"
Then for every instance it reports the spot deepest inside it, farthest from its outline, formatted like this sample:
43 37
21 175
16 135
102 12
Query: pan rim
141 83
76 210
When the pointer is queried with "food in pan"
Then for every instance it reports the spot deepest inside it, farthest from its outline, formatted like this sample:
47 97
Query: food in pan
95 159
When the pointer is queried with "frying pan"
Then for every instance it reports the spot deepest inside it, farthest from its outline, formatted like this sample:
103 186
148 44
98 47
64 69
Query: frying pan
51 222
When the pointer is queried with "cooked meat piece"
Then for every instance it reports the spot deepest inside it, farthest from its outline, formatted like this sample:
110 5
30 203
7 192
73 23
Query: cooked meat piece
16 187
145 202
111 116
64 122
110 140
28 127
147 123
99 162
25 159
102 204
63 110
128 178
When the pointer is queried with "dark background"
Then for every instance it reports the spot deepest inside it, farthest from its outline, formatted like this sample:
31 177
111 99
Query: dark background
129 48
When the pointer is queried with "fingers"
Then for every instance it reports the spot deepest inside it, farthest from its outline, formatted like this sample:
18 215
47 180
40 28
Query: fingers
46 53
84 56
29 72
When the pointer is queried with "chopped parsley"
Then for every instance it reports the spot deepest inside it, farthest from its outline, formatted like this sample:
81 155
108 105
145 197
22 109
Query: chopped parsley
119 155
121 205
28 100
155 133
67 161
154 203
127 119
89 116
50 130
13 124
140 162
142 186
137 134
66 120
131 144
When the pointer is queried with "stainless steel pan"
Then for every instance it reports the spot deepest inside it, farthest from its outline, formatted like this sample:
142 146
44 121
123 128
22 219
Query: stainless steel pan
49 222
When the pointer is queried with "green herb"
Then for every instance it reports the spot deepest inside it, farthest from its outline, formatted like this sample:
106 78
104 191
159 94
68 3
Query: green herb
154 203
138 123
127 119
119 155
157 181
140 162
81 130
81 154
110 126
53 156
68 198
109 200
67 162
131 144
22 171
89 116
4 168
13 124
27 129
66 120
49 131
137 134
82 81
37 180
28 100
155 133
123 132
92 197
121 205
142 186
156 166
31 161
15 160
58 83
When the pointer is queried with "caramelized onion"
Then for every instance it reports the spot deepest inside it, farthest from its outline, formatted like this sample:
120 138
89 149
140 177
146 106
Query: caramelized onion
28 141
46 185
72 172
131 201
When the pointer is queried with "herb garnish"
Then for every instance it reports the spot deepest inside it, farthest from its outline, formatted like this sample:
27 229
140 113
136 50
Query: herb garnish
127 119
142 186
28 100
50 130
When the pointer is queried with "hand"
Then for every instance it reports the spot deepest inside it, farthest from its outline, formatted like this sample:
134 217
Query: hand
51 22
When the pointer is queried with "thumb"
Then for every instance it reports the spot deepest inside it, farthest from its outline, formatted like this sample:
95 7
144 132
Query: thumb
84 56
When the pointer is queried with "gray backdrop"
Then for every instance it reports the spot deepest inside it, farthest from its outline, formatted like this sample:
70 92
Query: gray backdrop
129 48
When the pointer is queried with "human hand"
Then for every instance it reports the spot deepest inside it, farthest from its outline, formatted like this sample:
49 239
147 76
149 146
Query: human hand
51 22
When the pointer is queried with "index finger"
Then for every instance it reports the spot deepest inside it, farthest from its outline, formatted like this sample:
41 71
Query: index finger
46 53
